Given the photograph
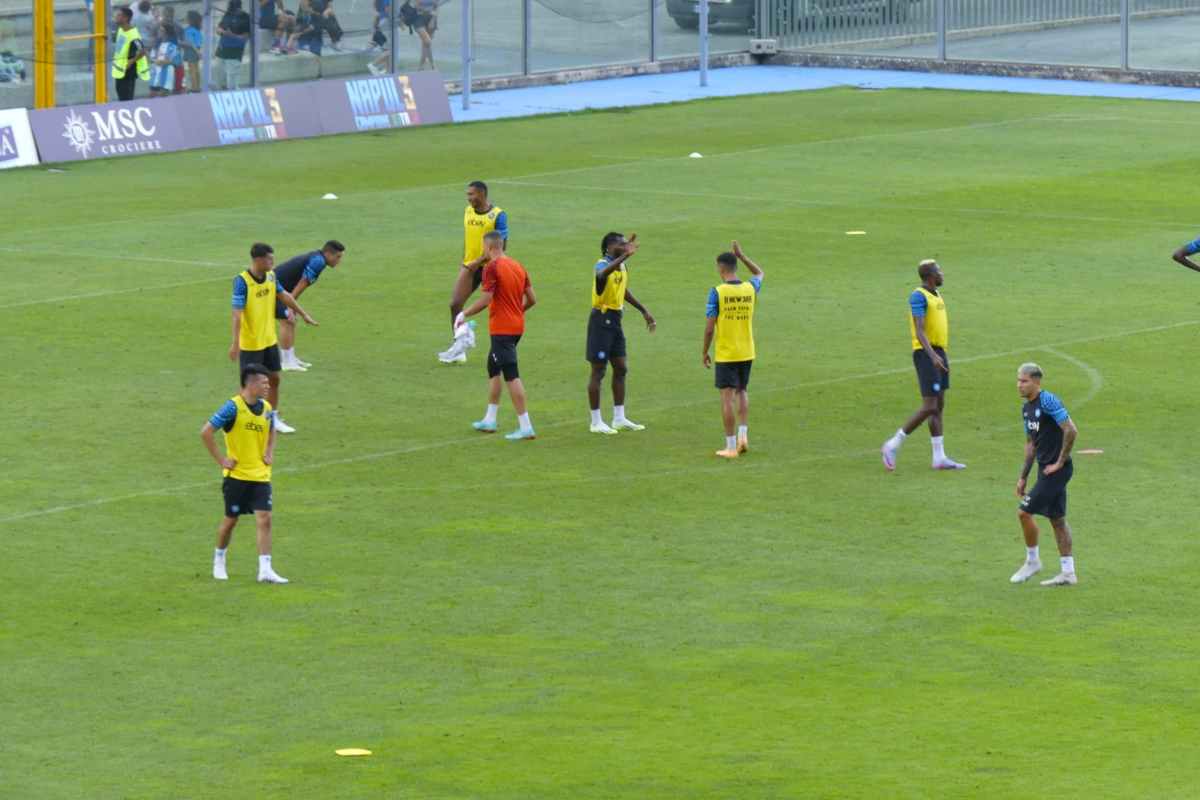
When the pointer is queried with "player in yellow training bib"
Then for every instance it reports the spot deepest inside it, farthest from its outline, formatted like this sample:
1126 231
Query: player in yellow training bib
605 338
249 424
929 329
479 219
730 320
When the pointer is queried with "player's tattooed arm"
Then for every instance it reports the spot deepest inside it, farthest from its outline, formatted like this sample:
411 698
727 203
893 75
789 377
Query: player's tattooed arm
1069 433
1025 468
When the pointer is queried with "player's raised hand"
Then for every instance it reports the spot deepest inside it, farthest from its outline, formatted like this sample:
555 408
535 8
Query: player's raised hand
631 246
737 249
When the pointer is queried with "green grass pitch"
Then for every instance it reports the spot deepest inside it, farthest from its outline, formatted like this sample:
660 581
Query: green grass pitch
593 617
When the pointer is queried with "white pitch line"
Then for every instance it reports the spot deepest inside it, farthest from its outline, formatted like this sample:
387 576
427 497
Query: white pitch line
469 440
90 295
123 257
1094 375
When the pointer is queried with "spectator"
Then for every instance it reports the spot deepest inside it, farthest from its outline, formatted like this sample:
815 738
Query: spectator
234 31
425 24
193 40
328 21
307 35
162 77
146 23
166 16
279 31
268 21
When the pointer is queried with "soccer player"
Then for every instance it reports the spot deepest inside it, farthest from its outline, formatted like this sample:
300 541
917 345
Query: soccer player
930 330
605 339
249 425
1189 249
507 295
479 219
1049 436
255 292
730 318
294 276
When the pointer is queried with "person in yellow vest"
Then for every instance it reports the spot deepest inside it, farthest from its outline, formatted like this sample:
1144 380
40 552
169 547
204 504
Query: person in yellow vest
605 338
129 55
730 320
929 329
249 425
255 340
479 219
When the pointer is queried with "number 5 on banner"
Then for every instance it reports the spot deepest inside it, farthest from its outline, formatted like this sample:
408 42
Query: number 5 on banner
410 102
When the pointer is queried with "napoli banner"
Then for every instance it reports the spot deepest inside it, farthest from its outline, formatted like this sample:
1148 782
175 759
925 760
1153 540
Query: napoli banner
16 139
134 128
392 101
249 115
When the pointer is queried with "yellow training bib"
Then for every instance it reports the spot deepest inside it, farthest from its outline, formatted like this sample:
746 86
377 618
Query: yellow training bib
735 321
475 227
246 442
258 317
937 324
613 296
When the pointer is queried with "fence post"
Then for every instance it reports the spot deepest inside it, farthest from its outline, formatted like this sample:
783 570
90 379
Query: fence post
253 46
702 7
941 29
1124 34
526 34
466 54
654 30
392 36
210 28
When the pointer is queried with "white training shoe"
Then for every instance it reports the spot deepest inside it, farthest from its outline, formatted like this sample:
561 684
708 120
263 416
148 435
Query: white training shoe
600 427
1062 579
627 425
889 456
293 366
1027 571
947 463
219 572
456 358
270 576
302 362
282 426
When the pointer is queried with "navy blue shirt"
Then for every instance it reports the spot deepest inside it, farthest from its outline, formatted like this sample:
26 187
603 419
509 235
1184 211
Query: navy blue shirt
306 265
1043 417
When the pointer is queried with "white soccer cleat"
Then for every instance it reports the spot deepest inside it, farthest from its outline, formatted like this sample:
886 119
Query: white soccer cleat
600 427
282 426
1027 571
302 362
627 425
270 576
1062 579
947 463
889 457
219 572
455 358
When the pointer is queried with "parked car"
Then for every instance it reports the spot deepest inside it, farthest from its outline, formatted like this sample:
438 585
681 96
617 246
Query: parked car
790 13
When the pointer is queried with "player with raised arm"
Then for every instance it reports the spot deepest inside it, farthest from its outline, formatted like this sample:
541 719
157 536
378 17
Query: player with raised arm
479 219
1049 436
255 340
929 328
507 295
605 337
729 318
249 425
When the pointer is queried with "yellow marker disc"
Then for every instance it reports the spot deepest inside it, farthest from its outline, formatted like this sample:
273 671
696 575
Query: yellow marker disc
353 751
856 233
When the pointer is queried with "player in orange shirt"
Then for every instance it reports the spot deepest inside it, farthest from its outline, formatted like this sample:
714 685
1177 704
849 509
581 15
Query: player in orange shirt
507 294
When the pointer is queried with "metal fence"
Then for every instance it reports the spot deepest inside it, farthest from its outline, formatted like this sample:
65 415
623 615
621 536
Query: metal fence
1138 34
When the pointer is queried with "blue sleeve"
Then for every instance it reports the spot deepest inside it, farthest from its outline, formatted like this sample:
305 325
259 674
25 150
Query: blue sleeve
1192 247
502 224
271 417
712 309
224 417
917 302
1053 406
239 292
314 267
756 282
601 264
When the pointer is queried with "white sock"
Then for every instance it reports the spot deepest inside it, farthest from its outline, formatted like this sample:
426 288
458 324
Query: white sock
743 431
523 420
1031 554
489 416
219 553
596 416
731 443
897 439
939 447
1068 564
289 354
618 413
264 563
